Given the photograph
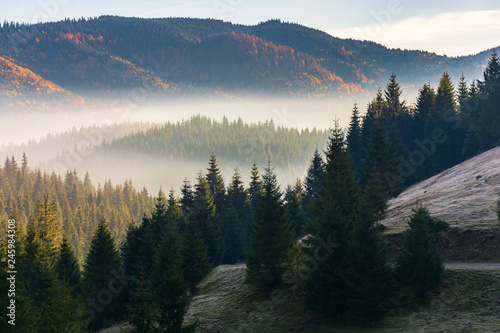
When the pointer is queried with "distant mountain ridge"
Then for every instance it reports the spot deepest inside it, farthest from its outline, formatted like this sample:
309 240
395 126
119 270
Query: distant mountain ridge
20 87
108 55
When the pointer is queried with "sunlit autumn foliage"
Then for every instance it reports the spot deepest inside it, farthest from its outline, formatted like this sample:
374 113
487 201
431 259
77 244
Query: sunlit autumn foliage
113 55
20 86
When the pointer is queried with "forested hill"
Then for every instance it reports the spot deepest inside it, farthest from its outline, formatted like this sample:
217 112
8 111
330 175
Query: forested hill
80 204
20 85
172 151
110 55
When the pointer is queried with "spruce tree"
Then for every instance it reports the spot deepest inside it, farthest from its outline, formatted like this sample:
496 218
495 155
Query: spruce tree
101 265
462 94
271 236
393 106
255 185
60 312
426 121
472 106
472 144
129 256
216 184
67 267
174 211
397 149
354 139
370 120
204 214
295 210
490 103
195 263
237 197
425 106
140 309
187 199
380 161
159 218
449 152
334 215
232 236
42 247
312 183
445 98
375 196
170 299
368 277
146 251
420 266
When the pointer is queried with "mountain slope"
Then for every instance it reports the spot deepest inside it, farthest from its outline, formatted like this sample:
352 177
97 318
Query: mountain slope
182 148
231 61
113 54
21 87
70 61
369 62
463 196
467 302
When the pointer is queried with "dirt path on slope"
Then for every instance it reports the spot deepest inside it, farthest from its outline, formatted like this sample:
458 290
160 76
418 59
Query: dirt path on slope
466 265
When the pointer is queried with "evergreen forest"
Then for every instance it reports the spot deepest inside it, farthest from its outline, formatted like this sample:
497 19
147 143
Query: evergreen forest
90 256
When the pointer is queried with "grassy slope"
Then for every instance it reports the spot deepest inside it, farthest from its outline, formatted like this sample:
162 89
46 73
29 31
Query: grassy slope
464 196
469 301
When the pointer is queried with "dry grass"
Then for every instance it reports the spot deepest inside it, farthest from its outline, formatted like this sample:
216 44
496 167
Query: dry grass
468 301
463 196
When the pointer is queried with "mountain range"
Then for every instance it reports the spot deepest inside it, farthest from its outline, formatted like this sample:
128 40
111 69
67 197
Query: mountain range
90 62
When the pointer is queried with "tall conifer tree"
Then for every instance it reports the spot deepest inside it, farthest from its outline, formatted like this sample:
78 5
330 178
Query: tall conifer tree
101 264
367 275
380 161
295 210
204 214
238 198
171 300
187 199
312 183
447 153
67 267
271 237
255 185
420 266
195 263
490 103
42 247
216 184
141 310
334 216
393 106
354 139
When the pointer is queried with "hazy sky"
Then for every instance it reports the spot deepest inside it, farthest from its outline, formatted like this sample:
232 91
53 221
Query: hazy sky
452 27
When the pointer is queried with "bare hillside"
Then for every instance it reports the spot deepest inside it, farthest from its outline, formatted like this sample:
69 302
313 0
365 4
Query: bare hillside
464 196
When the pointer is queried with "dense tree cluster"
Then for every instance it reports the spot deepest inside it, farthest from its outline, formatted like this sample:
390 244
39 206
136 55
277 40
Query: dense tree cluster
179 52
446 126
271 236
234 142
116 253
183 54
84 139
79 204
